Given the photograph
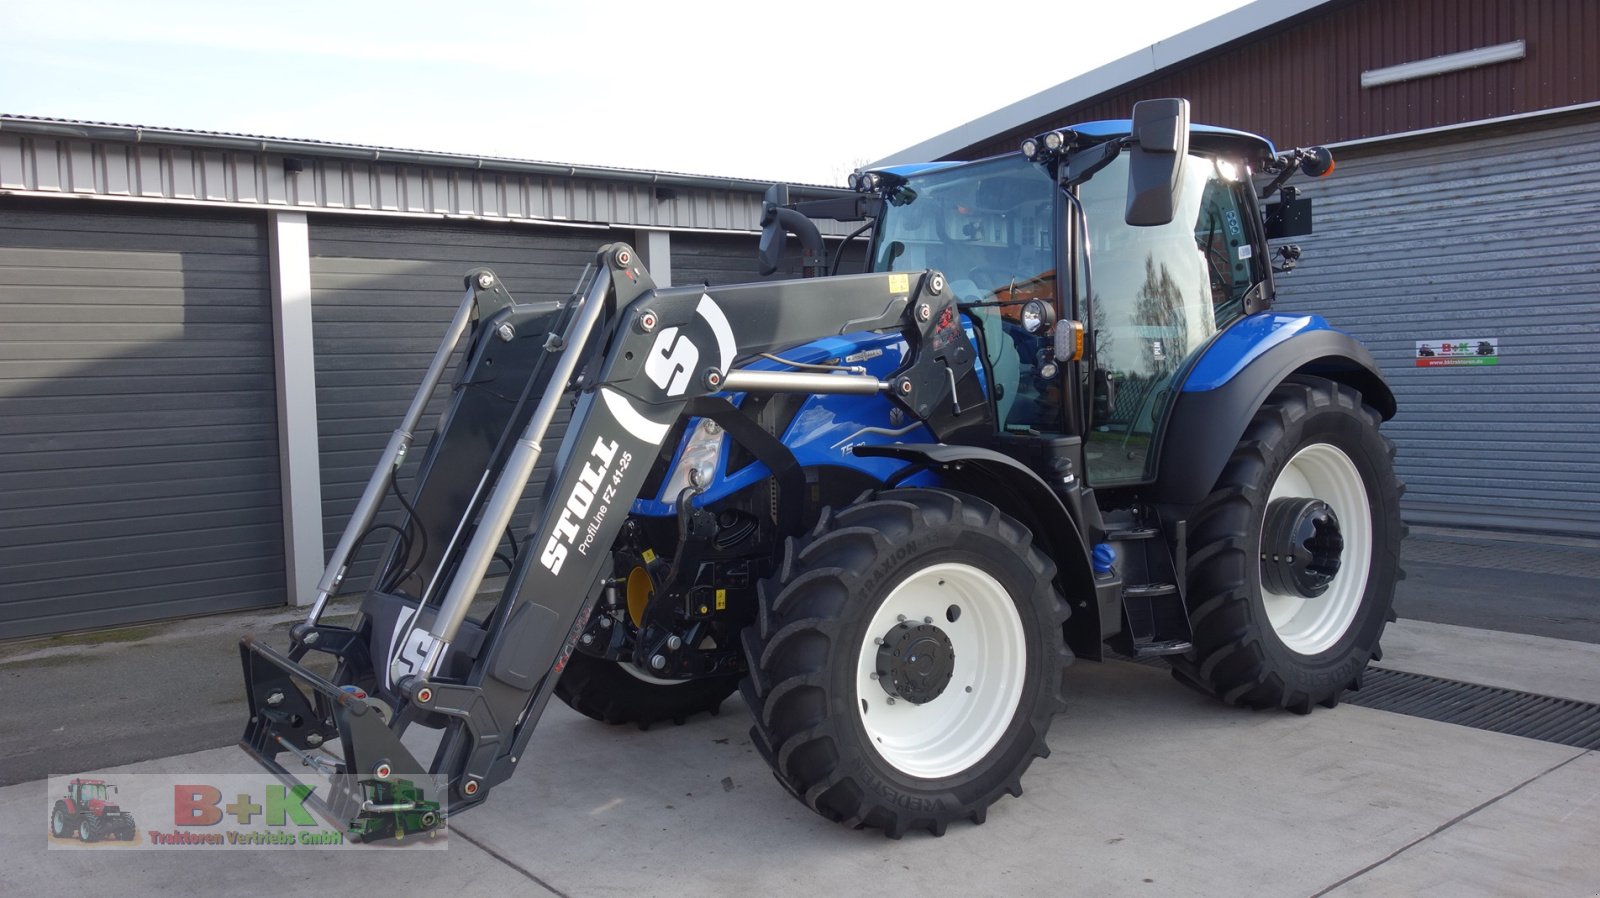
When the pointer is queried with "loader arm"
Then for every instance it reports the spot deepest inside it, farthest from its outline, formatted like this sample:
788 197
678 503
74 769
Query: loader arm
628 359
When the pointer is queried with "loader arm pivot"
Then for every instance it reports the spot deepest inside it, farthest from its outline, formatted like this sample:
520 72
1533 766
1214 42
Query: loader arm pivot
626 358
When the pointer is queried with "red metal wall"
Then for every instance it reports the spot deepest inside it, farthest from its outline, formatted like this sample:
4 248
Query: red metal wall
1300 84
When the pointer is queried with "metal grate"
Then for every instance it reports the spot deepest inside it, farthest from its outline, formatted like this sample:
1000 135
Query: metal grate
1546 718
1563 721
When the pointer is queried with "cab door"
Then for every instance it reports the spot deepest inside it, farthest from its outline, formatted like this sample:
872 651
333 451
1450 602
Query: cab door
1159 295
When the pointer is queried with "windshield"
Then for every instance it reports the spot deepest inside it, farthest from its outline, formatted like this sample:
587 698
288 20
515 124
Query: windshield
984 225
989 227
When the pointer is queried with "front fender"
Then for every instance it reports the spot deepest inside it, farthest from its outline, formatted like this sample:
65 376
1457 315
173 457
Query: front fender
1016 490
1228 384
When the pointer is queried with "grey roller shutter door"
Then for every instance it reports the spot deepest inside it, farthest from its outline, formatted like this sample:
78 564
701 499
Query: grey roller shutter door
138 428
381 295
1473 235
731 258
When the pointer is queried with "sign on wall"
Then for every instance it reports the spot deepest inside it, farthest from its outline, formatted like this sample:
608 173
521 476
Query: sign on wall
1443 353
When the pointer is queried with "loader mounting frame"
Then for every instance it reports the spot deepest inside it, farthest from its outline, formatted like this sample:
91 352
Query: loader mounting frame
629 358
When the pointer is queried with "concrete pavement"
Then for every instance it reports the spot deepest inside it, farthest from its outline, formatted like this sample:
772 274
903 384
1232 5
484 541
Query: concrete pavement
1152 789
115 697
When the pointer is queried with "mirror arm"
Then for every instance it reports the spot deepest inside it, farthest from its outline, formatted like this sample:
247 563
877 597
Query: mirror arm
1290 166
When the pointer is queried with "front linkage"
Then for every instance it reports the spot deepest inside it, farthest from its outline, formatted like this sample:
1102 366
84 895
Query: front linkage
629 359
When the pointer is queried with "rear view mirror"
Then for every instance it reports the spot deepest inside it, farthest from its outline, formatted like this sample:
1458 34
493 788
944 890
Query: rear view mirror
774 235
1155 162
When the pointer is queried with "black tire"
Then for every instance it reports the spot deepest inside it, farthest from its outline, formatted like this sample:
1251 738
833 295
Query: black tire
1239 654
806 657
86 831
62 823
603 690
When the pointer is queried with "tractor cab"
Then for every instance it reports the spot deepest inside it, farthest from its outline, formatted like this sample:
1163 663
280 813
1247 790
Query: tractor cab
1042 235
86 791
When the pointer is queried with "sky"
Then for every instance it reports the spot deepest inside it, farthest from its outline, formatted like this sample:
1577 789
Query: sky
803 92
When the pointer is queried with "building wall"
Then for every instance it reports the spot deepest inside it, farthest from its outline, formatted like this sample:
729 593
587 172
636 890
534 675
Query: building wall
206 339
1494 233
1300 84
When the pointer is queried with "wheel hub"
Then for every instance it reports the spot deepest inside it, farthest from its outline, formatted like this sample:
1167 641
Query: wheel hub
1301 547
915 662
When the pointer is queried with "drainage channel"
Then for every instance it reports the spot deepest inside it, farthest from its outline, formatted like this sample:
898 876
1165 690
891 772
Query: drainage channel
1563 721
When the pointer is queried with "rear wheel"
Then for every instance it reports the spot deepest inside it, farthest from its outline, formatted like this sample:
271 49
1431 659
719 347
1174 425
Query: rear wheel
1295 555
617 692
907 662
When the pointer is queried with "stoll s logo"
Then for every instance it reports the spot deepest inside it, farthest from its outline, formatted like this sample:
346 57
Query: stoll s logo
670 364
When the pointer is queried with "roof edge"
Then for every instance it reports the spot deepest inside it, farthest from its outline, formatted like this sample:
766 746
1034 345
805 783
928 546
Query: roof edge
1182 47
288 146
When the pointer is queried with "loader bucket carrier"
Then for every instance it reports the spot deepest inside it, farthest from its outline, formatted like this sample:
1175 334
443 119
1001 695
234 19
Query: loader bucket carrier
628 358
1058 414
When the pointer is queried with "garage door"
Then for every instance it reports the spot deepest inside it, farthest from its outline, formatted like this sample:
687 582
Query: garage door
381 296
731 258
1488 238
138 452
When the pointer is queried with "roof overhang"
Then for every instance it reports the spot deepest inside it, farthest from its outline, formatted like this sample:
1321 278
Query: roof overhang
1197 41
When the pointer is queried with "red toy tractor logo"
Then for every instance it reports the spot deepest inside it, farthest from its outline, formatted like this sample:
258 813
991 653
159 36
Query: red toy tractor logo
88 812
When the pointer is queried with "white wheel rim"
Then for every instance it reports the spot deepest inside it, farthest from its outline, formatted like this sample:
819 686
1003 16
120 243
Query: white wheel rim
1311 626
955 730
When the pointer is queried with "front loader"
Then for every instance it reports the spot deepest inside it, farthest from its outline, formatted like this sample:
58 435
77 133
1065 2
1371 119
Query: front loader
1056 414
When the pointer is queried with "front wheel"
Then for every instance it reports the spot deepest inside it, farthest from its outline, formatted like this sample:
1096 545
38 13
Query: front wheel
1295 555
907 662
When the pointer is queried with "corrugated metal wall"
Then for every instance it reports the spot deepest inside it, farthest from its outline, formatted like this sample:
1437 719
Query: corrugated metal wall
381 296
1301 84
138 424
1470 236
50 164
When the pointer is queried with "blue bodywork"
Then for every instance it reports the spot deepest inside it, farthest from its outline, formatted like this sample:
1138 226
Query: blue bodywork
1242 343
826 427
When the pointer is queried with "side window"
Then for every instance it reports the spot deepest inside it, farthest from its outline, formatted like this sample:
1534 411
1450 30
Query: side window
1159 294
1220 233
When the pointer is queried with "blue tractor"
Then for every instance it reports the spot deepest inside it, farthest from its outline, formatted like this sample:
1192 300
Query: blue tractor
1056 416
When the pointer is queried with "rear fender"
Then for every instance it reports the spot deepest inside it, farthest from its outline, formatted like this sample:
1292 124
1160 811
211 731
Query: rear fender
1016 490
1219 399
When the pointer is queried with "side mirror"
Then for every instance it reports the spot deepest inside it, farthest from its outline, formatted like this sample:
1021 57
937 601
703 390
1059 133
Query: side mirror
1155 163
773 234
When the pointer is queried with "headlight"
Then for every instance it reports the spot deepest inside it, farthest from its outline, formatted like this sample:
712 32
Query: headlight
1037 316
698 464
